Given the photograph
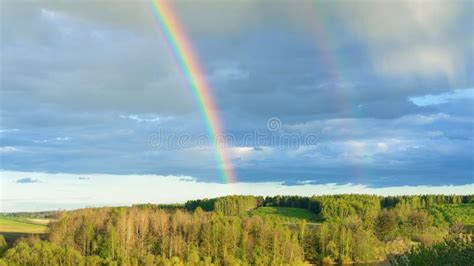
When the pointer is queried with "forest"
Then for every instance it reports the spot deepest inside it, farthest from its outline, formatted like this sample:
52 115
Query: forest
250 230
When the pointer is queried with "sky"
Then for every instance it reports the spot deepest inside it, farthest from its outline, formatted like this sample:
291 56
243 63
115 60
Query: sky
318 97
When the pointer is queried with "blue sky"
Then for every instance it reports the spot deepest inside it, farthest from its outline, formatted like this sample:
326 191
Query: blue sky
384 90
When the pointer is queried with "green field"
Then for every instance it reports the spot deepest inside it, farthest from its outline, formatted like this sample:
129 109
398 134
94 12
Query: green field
22 225
286 214
13 228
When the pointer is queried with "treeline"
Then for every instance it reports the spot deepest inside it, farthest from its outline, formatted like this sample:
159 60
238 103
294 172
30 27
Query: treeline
170 207
145 236
230 205
350 229
43 214
361 228
334 206
425 201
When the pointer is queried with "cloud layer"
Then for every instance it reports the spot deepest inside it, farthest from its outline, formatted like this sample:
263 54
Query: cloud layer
386 88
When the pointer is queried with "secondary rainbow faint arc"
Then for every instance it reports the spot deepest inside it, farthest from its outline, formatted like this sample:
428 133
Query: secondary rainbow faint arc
334 64
191 68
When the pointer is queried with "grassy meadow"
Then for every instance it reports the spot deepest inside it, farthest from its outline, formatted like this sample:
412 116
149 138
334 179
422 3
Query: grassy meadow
13 228
22 225
285 214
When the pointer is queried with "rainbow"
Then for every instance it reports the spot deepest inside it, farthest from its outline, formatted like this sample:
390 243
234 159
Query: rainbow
325 45
189 64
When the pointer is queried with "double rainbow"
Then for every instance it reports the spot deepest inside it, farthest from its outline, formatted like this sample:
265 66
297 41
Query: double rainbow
189 64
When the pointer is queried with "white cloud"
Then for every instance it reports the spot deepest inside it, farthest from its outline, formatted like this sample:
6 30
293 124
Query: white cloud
247 156
306 182
47 14
9 130
229 74
433 99
241 151
8 149
428 119
422 60
412 38
148 118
